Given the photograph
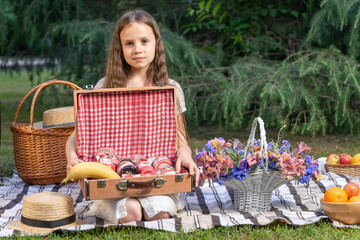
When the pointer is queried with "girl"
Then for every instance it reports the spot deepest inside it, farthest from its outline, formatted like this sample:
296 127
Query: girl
137 59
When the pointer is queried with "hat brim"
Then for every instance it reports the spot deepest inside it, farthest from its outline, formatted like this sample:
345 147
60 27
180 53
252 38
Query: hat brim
30 230
40 125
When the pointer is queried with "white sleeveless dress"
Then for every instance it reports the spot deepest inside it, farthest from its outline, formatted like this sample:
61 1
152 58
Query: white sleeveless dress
113 209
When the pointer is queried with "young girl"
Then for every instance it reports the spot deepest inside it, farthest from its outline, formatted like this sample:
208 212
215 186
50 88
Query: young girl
137 59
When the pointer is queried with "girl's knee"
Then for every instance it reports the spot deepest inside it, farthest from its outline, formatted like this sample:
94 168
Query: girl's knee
160 215
133 209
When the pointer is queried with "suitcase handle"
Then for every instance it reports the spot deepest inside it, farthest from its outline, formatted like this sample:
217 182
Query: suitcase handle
125 184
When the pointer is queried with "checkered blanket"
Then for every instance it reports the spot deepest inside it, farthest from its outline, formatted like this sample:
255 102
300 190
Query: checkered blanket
210 206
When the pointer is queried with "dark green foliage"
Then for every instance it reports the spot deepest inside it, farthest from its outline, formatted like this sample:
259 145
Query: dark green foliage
311 92
337 23
240 59
248 27
182 57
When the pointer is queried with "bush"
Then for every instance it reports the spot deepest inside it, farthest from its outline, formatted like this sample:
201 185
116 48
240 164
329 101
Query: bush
314 91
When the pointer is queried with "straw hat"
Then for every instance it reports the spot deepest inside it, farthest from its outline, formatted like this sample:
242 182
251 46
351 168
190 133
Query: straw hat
57 118
45 212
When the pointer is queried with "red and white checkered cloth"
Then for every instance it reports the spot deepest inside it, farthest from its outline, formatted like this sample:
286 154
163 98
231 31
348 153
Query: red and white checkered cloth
130 122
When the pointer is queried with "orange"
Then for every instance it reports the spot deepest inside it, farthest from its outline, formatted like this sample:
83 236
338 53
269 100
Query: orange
335 194
354 199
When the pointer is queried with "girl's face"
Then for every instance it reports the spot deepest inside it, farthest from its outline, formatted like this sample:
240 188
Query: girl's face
138 45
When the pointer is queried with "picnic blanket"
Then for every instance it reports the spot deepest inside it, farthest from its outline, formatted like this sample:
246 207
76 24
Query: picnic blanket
207 207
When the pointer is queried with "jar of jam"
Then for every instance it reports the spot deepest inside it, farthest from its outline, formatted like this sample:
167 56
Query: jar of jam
160 163
144 167
107 156
184 170
126 166
166 171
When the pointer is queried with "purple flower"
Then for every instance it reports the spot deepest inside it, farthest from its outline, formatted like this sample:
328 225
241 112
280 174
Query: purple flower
309 160
261 163
210 147
226 177
220 181
305 179
240 151
273 165
242 175
285 147
235 172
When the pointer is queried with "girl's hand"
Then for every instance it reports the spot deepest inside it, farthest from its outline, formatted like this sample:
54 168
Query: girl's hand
71 155
72 162
185 160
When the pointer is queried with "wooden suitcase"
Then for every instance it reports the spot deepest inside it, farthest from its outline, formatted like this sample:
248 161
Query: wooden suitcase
132 121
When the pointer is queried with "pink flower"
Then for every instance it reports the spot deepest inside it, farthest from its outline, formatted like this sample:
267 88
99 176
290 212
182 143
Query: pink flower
252 159
292 165
219 143
236 143
317 175
303 149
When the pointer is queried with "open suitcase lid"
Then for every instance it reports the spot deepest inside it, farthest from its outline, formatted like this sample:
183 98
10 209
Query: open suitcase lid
132 121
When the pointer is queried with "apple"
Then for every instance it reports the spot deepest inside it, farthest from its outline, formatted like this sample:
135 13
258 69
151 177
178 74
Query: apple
352 189
332 159
345 158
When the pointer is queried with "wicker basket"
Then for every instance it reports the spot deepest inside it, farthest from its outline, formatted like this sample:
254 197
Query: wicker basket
254 192
347 212
40 153
352 170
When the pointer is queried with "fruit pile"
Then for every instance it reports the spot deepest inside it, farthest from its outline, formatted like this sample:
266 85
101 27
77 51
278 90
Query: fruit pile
343 158
350 193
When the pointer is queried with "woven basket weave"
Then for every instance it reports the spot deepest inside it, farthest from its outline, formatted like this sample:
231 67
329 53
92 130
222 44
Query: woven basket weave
344 169
254 192
40 153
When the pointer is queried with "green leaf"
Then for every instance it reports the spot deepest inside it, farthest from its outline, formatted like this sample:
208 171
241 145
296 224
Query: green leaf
295 13
200 16
222 16
264 12
204 17
273 12
216 9
208 4
201 5
191 11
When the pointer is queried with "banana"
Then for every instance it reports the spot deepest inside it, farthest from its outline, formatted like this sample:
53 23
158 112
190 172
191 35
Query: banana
90 170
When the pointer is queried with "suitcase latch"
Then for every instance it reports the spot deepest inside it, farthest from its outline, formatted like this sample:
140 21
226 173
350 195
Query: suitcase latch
179 177
160 182
101 183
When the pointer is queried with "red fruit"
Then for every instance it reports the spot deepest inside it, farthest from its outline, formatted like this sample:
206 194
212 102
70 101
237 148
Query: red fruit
345 158
352 189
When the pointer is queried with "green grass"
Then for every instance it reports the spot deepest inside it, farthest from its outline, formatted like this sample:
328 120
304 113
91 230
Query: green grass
14 88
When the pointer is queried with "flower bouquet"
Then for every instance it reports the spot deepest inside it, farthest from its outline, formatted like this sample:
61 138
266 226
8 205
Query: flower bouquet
255 171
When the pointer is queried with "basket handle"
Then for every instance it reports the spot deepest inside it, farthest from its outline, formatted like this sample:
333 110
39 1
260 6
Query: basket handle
263 143
38 88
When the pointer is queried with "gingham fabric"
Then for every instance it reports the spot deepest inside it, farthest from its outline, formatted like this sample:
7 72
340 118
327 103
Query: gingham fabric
130 122
207 207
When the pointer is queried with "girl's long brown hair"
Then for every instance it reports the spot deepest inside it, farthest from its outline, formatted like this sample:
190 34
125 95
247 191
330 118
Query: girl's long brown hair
117 69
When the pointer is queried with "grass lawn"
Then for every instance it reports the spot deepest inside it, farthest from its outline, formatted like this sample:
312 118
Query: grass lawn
14 88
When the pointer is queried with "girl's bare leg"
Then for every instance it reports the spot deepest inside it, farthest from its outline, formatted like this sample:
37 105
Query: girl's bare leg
133 209
160 215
